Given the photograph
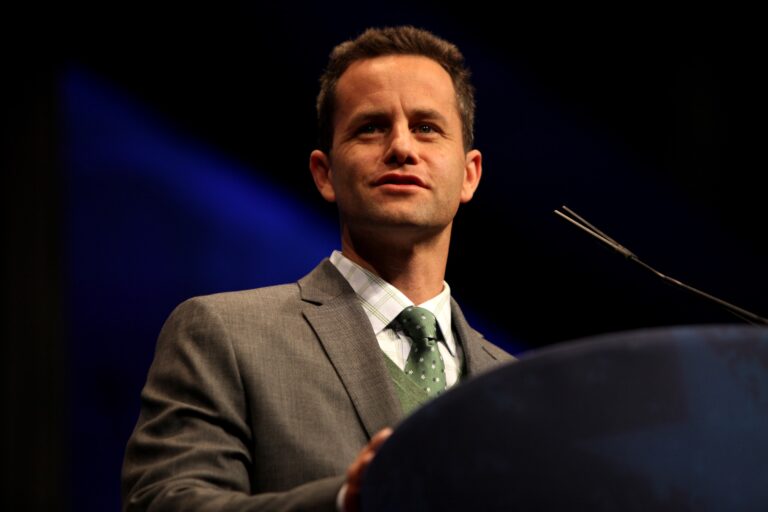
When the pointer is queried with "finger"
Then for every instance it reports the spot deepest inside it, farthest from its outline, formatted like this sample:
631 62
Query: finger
379 438
366 454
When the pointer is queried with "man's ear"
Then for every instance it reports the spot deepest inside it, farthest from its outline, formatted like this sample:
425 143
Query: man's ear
473 170
320 167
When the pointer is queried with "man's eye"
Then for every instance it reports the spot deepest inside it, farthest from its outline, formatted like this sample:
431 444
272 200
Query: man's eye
425 128
368 128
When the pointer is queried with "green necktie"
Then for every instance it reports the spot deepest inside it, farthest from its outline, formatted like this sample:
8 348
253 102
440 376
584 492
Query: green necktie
425 364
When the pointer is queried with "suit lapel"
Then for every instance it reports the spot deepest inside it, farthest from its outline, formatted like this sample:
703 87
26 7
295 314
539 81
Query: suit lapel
477 359
334 312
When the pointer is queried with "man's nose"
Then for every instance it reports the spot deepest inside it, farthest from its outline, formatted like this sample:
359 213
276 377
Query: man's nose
402 149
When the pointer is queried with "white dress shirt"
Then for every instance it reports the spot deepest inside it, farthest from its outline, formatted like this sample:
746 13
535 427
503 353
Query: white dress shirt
382 303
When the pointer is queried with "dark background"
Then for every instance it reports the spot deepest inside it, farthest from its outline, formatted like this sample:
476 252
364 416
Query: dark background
151 153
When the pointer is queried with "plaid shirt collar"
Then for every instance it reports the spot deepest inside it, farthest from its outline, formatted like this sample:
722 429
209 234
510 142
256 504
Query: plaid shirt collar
382 302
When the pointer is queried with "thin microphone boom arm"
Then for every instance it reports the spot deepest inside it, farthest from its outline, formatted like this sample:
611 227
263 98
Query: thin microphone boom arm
588 228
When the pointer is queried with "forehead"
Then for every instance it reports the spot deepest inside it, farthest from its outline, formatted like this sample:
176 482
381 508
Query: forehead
395 81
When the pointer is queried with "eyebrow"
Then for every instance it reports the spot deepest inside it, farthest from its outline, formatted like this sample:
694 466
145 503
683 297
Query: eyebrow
429 113
420 114
366 116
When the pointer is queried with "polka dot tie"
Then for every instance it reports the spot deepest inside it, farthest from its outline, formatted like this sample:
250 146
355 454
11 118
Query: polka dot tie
425 364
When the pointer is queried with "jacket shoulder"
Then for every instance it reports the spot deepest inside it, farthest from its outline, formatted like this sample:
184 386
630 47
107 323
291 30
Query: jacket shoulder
266 297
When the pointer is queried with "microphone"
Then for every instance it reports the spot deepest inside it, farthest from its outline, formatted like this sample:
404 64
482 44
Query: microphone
588 228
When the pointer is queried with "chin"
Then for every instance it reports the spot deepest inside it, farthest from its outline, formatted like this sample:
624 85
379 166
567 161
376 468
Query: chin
398 217
404 225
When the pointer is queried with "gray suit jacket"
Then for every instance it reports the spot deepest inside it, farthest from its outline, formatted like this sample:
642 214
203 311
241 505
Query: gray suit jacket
259 400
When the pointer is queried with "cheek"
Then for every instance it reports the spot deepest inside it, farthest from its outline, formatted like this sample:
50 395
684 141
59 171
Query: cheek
353 168
344 181
457 173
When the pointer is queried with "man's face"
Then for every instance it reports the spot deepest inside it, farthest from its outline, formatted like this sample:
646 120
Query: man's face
397 158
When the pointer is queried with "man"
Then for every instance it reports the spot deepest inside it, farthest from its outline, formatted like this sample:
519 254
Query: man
259 400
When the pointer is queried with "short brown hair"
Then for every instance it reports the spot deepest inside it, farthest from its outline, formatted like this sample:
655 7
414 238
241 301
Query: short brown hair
405 40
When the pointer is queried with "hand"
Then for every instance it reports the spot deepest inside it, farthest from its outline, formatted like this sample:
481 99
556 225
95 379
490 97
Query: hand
357 470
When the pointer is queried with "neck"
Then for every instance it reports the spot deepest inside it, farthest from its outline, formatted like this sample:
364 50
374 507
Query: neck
415 267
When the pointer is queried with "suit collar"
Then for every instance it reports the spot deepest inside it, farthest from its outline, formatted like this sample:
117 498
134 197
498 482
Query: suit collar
323 284
476 358
334 312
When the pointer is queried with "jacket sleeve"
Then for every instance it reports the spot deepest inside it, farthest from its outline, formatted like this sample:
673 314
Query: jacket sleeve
190 449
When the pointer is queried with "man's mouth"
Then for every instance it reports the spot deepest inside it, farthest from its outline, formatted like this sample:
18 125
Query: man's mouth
393 178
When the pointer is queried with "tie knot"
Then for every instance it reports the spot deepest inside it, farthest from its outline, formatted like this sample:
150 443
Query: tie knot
419 324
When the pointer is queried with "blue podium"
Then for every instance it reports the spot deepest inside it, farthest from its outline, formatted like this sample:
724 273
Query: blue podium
651 420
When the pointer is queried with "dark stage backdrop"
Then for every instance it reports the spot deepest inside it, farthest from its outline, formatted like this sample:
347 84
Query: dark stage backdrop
164 154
